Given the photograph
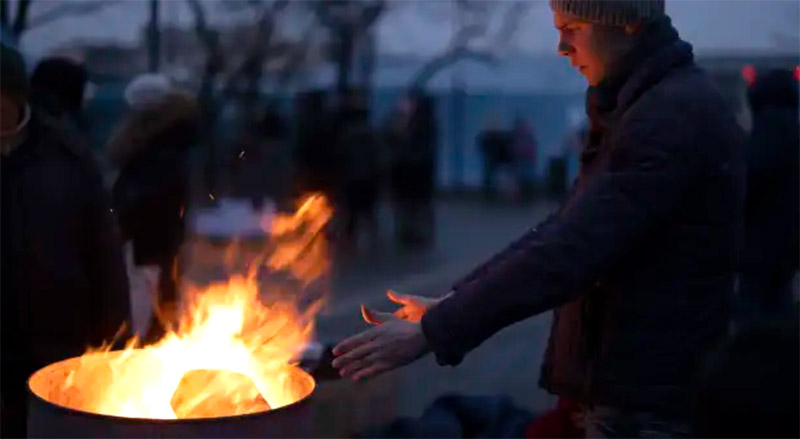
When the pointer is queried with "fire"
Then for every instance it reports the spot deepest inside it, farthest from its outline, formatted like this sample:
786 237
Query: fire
231 352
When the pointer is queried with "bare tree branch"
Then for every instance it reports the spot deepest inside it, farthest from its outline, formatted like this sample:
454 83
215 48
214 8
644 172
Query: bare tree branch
208 38
474 6
296 57
68 9
431 68
462 43
467 34
511 21
370 14
280 5
322 10
4 12
21 20
234 5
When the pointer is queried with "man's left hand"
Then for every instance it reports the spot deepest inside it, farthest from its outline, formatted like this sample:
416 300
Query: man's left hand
392 343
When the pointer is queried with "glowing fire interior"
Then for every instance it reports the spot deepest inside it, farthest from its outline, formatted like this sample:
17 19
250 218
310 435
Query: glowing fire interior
233 349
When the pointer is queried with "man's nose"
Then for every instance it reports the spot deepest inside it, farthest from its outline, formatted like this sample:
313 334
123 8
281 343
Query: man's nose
564 49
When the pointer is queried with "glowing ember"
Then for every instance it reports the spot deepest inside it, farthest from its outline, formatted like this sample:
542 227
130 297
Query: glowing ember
231 353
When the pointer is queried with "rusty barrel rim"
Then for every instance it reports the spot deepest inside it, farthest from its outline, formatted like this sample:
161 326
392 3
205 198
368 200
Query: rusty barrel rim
123 419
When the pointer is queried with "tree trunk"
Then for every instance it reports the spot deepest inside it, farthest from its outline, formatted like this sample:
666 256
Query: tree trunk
345 61
21 22
4 12
153 38
366 62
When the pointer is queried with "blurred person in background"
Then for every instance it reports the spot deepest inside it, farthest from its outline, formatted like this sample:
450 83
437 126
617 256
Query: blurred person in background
526 152
495 144
771 255
639 261
572 148
64 285
314 154
359 148
396 136
58 87
151 150
276 157
413 170
261 166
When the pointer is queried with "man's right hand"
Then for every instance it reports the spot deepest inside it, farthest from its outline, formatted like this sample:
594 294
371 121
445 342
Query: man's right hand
412 310
396 339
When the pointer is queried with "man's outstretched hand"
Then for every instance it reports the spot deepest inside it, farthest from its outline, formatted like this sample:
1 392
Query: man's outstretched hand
396 340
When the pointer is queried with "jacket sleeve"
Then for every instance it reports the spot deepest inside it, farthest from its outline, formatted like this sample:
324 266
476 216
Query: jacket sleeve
636 185
104 260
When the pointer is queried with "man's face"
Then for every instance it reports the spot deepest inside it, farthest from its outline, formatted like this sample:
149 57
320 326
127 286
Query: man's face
590 47
9 115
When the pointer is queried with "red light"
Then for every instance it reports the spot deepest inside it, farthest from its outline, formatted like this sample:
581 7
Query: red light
749 74
797 73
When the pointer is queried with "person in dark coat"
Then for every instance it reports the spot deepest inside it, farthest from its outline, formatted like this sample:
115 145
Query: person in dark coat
64 285
58 86
771 255
359 156
314 156
413 170
275 155
496 151
526 152
151 150
638 262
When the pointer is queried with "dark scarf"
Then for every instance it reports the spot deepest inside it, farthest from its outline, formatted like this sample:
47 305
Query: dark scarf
656 48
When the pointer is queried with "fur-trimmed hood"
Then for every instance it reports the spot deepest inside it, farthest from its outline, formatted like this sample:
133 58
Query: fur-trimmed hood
173 120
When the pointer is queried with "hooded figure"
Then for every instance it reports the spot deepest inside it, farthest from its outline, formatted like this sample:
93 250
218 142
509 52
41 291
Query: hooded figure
151 150
772 207
63 280
58 86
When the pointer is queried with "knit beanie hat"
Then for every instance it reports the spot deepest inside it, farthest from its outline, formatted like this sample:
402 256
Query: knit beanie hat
611 12
13 75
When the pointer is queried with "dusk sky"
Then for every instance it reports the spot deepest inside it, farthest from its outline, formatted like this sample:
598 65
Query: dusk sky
711 25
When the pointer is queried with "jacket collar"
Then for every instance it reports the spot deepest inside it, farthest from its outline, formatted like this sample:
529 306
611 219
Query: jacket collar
658 51
43 134
654 69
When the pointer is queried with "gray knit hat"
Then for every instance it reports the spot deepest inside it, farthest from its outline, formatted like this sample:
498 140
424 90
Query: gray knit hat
611 12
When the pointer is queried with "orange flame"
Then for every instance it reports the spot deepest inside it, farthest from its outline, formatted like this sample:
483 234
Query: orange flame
225 327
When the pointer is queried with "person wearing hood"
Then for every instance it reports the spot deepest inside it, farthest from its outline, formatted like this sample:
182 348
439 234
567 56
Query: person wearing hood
638 263
771 255
58 87
151 150
63 280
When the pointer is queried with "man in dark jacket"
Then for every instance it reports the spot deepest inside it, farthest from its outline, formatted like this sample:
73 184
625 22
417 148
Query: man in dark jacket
772 207
638 263
64 285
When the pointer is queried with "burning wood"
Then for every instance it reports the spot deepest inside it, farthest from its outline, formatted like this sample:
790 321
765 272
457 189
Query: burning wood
241 395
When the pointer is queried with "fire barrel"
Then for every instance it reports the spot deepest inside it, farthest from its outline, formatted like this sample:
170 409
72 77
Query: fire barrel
56 413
